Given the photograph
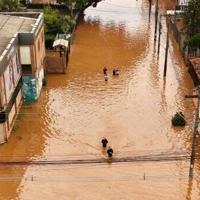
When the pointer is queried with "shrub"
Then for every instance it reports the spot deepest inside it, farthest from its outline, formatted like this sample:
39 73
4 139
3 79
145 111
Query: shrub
55 22
192 16
178 119
194 41
9 5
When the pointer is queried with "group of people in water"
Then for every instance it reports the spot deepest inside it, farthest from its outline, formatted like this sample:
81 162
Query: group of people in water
104 142
115 72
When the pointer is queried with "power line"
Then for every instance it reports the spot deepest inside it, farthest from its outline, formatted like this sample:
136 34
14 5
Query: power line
116 153
130 177
149 158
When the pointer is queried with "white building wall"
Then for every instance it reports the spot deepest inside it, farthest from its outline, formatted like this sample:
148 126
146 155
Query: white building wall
19 99
11 116
17 72
8 82
2 93
2 133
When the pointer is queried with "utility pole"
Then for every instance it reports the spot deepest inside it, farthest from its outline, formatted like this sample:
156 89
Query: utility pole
160 31
150 3
156 21
195 133
166 52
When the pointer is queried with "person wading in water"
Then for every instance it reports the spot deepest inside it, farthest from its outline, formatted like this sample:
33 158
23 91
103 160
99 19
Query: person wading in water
115 72
104 142
110 152
105 71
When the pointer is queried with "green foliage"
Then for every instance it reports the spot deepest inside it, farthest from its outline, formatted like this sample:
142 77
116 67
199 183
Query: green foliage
194 41
55 22
192 16
78 3
178 119
9 5
82 2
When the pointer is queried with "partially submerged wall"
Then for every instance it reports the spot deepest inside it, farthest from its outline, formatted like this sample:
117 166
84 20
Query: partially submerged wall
56 61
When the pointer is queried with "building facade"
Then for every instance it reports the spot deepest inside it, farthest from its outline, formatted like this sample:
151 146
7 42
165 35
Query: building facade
22 54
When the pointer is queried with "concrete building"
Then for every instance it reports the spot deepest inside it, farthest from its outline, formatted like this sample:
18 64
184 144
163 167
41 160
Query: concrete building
22 54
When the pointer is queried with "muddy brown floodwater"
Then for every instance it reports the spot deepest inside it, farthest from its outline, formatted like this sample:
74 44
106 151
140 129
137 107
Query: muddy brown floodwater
133 111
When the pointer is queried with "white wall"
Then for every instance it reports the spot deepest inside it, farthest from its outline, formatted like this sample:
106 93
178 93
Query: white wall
2 93
11 116
17 72
12 75
2 133
25 55
9 85
40 80
19 99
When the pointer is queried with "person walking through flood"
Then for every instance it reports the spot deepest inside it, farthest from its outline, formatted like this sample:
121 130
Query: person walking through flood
105 71
110 152
104 142
106 78
115 72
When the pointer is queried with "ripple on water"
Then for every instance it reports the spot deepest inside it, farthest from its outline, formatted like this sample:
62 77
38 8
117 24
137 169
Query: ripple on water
133 111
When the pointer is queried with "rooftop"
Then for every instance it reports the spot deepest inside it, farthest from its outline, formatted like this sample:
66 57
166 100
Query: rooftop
10 25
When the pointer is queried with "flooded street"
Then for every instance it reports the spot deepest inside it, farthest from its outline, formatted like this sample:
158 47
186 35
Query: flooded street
133 111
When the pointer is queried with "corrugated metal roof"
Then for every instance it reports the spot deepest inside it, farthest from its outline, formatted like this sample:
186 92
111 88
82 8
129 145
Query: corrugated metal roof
61 42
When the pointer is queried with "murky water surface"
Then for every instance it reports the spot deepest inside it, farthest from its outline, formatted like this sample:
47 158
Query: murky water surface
133 111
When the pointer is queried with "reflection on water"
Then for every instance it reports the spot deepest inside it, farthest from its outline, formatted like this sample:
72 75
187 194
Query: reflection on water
133 111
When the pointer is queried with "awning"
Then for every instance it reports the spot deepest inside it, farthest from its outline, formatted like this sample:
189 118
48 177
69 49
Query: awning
61 42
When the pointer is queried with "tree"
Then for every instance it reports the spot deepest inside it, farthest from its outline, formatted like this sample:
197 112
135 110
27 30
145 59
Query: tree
9 5
79 4
192 17
55 23
194 41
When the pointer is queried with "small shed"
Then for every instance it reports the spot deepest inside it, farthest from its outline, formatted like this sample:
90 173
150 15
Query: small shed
57 58
61 43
